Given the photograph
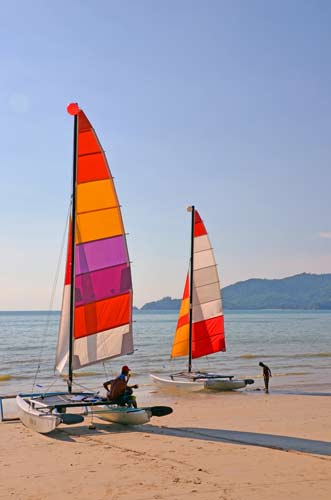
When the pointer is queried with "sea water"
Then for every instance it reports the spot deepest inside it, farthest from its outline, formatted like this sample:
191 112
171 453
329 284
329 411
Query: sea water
296 345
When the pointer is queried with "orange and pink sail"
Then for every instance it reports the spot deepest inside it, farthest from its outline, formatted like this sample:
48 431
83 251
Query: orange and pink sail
102 308
207 329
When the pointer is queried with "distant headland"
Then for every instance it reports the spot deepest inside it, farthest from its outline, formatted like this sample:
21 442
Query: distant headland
302 291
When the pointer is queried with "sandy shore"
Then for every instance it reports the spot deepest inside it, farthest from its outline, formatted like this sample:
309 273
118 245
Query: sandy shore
237 446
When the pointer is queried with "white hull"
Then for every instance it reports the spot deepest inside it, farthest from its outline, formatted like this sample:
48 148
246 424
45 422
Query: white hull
36 419
124 416
215 384
39 417
224 385
185 385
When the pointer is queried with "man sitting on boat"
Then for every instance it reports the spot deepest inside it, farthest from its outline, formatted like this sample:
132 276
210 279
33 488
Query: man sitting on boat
118 391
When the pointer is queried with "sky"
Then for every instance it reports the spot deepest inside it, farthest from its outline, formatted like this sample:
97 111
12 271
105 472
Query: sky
221 104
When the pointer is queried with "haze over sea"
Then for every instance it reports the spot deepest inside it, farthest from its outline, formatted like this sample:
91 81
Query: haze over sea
295 344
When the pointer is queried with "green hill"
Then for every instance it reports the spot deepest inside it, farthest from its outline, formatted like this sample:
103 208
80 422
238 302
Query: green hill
302 291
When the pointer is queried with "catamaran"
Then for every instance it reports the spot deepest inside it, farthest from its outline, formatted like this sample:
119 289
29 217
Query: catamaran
200 326
96 315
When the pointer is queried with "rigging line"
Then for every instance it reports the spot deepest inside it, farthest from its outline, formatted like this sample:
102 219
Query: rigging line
51 302
85 387
51 384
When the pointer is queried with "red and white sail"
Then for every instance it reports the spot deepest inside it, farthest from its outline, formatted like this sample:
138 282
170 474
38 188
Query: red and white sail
207 314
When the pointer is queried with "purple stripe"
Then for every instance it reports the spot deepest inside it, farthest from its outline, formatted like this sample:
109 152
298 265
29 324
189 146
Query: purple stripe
102 284
100 254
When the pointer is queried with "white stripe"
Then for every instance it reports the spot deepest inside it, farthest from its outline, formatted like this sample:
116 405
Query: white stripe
207 311
204 259
205 276
201 243
206 293
62 351
103 345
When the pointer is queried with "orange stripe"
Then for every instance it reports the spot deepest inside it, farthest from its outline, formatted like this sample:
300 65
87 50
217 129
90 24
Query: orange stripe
98 225
96 195
102 315
180 346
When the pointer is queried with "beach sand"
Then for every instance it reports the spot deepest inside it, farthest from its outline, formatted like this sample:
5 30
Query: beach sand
227 446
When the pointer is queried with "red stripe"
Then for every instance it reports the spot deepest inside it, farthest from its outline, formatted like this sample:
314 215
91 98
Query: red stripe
199 227
208 337
184 320
92 164
83 122
92 168
102 315
186 288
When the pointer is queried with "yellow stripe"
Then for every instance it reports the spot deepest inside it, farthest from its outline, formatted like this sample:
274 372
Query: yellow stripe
96 195
184 308
97 225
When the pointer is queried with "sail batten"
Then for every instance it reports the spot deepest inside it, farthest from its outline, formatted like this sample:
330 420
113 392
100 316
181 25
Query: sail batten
207 314
102 276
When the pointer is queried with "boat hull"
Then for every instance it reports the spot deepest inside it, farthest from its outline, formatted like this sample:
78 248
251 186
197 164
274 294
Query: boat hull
35 419
124 416
224 385
184 385
214 384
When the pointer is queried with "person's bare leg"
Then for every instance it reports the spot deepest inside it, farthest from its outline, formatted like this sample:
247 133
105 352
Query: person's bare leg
266 383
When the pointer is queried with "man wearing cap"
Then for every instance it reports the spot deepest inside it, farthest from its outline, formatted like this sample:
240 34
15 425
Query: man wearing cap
118 390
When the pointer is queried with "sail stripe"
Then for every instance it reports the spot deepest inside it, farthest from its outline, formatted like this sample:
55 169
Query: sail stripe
96 195
203 259
180 344
180 347
205 276
183 320
206 293
207 311
94 348
199 229
201 243
91 167
100 254
99 225
87 143
208 337
103 315
109 282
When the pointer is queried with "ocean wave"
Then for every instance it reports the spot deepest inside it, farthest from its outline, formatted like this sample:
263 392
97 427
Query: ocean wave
283 374
7 376
303 355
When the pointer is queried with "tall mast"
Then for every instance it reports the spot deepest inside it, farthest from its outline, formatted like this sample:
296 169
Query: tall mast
192 210
73 239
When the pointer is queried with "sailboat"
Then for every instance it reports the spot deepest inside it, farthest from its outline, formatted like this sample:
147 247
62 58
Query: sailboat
96 314
200 326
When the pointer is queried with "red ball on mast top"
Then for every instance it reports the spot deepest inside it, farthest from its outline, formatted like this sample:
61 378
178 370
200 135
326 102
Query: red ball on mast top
73 108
